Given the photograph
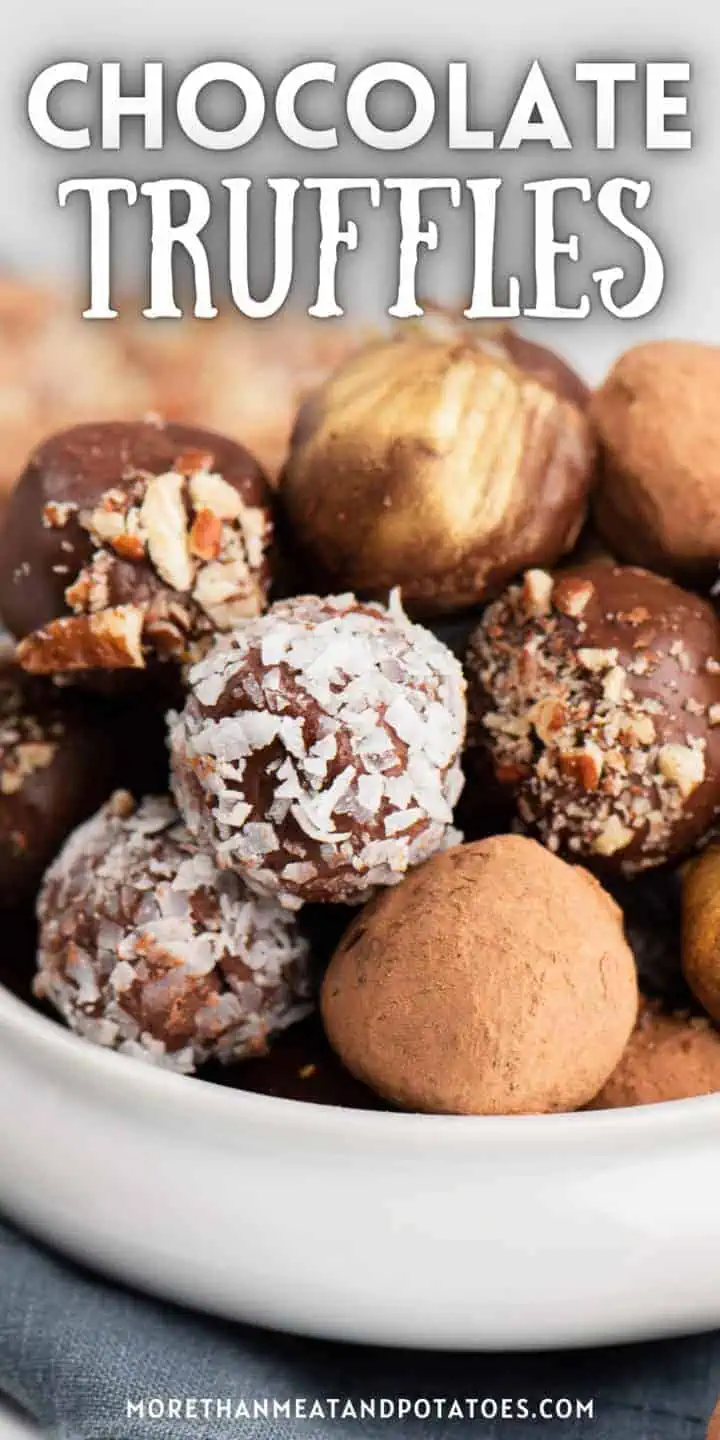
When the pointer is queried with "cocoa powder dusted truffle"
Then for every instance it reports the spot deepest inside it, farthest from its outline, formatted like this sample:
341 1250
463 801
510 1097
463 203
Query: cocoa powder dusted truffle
597 695
658 422
494 980
669 1057
318 751
438 463
146 948
123 542
57 764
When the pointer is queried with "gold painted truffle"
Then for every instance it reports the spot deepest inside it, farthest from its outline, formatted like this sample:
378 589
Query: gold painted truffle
494 980
658 498
441 464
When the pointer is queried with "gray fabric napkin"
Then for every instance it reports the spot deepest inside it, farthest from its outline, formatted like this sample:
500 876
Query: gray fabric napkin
91 1361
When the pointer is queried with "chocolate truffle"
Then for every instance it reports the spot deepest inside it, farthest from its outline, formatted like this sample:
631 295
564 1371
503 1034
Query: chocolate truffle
547 367
657 503
597 694
127 541
669 1057
436 463
495 980
701 929
57 764
318 751
146 948
714 1429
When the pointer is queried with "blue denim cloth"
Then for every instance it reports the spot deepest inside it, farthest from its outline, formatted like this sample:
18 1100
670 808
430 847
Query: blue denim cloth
75 1350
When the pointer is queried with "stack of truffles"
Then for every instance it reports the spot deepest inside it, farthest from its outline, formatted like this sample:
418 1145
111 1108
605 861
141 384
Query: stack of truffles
447 692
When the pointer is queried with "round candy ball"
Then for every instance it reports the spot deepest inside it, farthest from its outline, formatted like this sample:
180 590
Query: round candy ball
502 339
597 695
146 948
440 464
123 542
494 981
669 1057
58 762
318 751
659 427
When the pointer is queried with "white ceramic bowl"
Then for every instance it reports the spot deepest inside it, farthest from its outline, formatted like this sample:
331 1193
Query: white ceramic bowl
431 1231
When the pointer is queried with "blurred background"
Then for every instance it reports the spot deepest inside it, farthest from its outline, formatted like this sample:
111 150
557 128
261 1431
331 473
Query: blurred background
247 377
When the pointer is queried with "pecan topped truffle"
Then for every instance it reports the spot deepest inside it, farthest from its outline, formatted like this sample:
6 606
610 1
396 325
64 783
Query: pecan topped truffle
57 764
125 541
318 751
597 694
145 947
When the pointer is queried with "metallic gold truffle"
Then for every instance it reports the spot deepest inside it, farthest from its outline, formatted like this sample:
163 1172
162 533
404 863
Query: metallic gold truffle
437 463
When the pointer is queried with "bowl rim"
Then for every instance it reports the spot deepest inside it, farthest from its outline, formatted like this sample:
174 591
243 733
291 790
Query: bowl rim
192 1098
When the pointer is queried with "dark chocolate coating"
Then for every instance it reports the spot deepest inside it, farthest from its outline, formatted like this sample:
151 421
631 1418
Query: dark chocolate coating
625 668
545 365
74 770
78 466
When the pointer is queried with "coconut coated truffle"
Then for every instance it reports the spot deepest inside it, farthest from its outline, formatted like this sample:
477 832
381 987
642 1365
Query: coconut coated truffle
669 1057
495 980
439 463
123 542
318 751
597 694
145 947
659 427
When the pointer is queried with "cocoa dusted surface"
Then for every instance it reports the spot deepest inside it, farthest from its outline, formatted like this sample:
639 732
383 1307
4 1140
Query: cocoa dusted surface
495 980
657 419
669 1057
301 1064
